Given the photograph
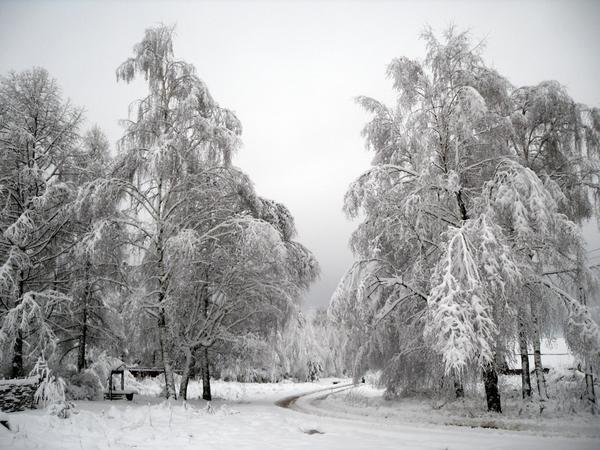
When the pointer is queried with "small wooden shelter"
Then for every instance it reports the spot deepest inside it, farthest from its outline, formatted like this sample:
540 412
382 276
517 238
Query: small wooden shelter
117 394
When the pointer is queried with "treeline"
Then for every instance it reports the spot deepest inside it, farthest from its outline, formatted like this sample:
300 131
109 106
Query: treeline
159 253
470 245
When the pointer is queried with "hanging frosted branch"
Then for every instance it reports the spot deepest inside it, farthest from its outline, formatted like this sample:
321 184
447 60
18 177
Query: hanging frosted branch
30 317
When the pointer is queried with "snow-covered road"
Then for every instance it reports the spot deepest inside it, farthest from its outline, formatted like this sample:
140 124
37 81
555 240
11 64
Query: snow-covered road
362 432
252 421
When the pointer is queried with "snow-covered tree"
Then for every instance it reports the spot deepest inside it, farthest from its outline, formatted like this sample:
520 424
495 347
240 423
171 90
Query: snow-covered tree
96 258
239 283
175 134
38 135
559 140
305 347
456 227
210 251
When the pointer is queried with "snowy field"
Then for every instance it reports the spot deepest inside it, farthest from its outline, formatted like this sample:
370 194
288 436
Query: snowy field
244 416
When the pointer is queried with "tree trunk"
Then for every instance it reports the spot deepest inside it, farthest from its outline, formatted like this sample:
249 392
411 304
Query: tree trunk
492 393
459 389
589 374
185 375
206 395
537 360
17 361
165 355
84 319
82 342
162 277
525 375
589 387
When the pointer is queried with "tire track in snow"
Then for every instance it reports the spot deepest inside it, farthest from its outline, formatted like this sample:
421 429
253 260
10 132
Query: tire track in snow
289 402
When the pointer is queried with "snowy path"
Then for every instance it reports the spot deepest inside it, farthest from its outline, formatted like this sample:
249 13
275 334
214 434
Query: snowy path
425 436
289 402
253 422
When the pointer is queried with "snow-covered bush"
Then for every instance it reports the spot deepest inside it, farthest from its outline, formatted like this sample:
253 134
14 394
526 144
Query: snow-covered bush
102 366
51 389
83 386
250 360
251 375
314 369
567 392
373 377
151 386
62 410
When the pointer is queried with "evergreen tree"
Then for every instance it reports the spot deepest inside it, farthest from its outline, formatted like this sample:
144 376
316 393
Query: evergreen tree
38 136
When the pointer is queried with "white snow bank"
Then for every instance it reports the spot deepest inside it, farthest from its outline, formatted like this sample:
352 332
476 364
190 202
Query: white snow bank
122 425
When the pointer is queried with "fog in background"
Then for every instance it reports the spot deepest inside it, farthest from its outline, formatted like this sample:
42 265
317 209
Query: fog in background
290 70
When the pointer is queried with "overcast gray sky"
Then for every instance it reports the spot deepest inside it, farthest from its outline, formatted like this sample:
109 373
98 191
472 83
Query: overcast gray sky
290 70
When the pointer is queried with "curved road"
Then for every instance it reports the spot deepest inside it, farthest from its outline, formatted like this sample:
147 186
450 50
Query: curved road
290 402
379 433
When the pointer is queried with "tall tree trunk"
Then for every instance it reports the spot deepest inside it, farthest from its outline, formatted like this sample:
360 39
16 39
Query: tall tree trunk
162 277
206 395
537 358
492 393
185 375
84 319
589 387
589 374
459 389
82 341
525 374
17 361
165 355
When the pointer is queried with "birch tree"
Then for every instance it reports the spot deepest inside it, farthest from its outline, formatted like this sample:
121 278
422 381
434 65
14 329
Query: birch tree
421 230
187 201
174 133
236 282
456 227
559 140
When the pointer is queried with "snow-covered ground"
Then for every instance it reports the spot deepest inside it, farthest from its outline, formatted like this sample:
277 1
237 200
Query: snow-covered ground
368 402
244 416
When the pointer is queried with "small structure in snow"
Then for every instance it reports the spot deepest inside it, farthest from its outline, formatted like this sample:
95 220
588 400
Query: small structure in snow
115 394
